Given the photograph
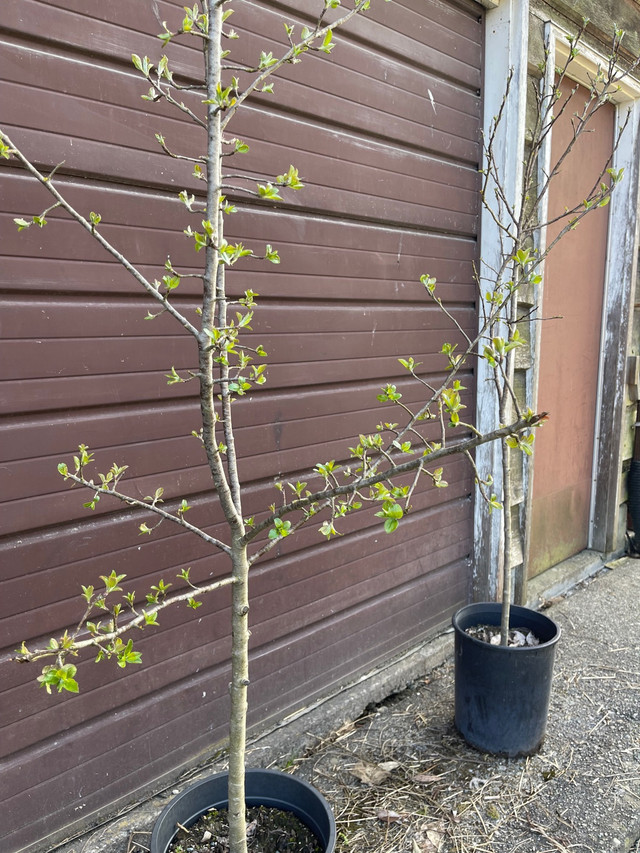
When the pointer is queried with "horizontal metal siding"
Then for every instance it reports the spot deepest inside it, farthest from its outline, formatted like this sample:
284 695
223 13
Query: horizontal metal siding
391 192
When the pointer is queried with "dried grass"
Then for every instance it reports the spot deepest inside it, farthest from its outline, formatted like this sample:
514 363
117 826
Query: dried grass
441 796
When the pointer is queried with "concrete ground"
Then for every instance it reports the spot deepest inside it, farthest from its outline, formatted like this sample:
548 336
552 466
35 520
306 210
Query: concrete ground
400 778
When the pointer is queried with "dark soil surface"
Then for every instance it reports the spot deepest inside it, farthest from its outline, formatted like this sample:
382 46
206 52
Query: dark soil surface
268 831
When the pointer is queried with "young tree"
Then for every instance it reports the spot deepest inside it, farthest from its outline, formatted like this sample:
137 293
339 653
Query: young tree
382 469
519 224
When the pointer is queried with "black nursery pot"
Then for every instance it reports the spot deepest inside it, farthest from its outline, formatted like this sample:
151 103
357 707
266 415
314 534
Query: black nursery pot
270 788
502 693
633 486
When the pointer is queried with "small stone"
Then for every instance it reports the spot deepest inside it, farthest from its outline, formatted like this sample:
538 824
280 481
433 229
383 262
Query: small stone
518 638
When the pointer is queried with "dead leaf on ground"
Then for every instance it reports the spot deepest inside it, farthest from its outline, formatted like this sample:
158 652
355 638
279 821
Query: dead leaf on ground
373 774
435 837
423 846
426 778
388 816
429 840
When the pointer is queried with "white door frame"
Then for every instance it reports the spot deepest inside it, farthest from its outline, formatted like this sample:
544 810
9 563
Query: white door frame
506 49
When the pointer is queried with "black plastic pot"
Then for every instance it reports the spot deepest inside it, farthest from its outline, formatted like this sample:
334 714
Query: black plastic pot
633 486
502 693
270 788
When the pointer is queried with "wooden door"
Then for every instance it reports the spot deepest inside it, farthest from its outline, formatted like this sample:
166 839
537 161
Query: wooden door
570 349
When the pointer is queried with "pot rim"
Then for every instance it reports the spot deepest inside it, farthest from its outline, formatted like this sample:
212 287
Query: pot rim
253 798
515 611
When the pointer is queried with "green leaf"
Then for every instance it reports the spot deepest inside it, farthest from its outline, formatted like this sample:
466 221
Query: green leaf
269 191
171 282
522 257
327 43
165 36
5 150
173 377
395 511
290 179
125 654
272 255
389 393
429 282
266 60
143 65
280 529
87 593
328 529
112 581
62 678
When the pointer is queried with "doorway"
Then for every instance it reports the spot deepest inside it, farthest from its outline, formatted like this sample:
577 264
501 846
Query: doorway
570 346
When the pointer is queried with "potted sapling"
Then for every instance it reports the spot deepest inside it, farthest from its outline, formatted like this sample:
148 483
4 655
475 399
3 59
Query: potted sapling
504 653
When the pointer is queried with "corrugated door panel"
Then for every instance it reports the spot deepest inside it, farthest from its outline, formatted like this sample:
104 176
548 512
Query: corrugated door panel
385 133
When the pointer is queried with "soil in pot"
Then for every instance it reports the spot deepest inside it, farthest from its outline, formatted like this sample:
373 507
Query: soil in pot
268 831
270 789
491 634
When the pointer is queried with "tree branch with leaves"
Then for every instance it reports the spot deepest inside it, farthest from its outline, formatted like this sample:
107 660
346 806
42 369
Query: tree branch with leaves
382 468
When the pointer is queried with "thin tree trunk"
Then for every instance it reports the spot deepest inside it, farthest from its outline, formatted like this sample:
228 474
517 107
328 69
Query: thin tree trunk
238 689
507 585
507 407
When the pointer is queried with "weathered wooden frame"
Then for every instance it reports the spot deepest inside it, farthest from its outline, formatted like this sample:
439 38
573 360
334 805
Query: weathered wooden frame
506 49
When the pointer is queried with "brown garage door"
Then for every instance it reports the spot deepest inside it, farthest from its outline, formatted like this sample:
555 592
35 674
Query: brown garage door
385 133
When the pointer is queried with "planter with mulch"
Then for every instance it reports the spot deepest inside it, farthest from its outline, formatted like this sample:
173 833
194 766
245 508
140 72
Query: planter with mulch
266 790
502 692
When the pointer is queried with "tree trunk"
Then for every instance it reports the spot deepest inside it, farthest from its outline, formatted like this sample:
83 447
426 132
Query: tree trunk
507 585
238 689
